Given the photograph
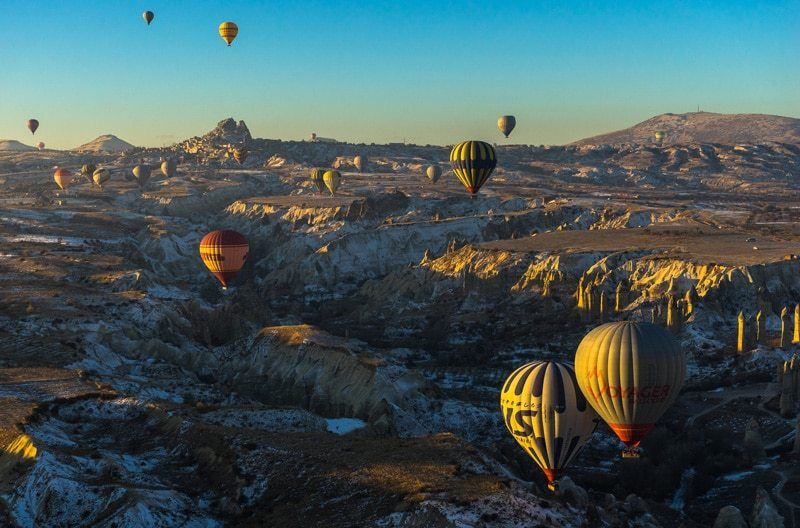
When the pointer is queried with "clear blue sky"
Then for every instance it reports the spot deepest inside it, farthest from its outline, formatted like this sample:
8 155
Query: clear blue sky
429 71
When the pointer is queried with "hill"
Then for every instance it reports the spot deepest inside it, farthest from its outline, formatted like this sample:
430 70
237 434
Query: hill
105 143
706 127
13 145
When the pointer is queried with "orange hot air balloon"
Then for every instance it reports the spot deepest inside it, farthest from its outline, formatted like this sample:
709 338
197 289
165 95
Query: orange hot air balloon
63 178
33 124
224 252
630 373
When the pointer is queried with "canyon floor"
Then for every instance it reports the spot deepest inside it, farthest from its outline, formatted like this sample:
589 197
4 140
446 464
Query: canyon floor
351 375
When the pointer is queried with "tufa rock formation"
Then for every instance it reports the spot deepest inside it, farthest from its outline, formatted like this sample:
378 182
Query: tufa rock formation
788 374
730 517
765 514
753 442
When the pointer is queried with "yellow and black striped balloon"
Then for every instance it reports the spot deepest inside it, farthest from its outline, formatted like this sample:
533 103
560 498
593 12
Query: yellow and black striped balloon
228 31
473 162
316 177
547 414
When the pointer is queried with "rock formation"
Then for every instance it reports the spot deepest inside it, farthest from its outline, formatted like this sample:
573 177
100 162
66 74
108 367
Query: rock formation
741 334
784 327
753 442
765 514
789 382
730 517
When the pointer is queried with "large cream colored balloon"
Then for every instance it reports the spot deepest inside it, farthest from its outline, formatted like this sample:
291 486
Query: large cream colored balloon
547 414
630 373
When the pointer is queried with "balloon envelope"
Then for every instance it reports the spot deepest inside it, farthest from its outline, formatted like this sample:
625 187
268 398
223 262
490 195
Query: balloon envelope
473 162
63 178
360 162
224 253
101 176
88 169
33 124
240 155
316 177
630 373
506 124
40 145
168 168
546 413
228 31
332 180
148 17
142 174
433 172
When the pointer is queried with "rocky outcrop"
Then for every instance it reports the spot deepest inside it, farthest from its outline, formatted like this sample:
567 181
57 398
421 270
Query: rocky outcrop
730 517
765 514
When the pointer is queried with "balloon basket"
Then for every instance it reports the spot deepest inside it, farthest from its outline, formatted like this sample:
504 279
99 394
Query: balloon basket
552 486
631 452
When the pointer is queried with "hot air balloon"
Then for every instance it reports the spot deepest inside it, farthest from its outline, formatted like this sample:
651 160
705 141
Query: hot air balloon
360 162
506 124
547 415
142 174
87 170
148 17
659 135
630 373
224 252
240 155
40 145
473 163
228 31
434 172
332 180
63 178
101 176
33 124
169 167
316 177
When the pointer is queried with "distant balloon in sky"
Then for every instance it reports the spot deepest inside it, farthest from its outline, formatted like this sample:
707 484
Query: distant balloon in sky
88 169
33 124
433 172
332 181
142 174
63 178
473 162
224 253
240 155
101 176
40 145
148 17
228 31
360 162
168 167
316 177
506 124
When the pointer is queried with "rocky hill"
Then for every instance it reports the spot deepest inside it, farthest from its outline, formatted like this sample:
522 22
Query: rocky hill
105 143
14 145
706 127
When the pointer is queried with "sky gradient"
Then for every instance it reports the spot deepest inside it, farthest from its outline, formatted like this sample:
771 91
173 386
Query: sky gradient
379 71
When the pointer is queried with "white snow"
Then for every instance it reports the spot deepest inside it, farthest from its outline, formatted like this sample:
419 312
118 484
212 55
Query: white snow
342 426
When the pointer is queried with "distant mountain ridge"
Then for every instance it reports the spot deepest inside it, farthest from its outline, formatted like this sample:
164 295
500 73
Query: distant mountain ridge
14 145
105 143
705 127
